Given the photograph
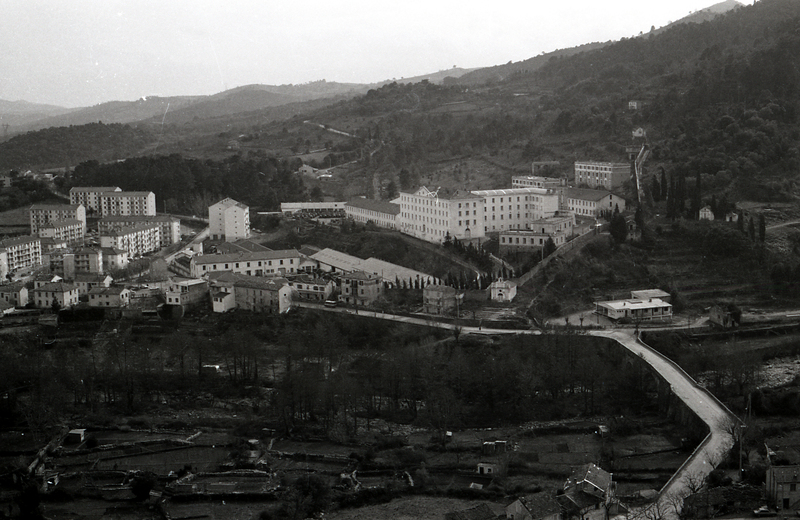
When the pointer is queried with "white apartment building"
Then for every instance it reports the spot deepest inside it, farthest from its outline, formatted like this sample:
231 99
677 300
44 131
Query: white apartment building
381 213
593 203
229 220
601 174
515 208
22 252
170 226
127 203
41 214
135 240
71 231
430 217
259 263
90 197
559 228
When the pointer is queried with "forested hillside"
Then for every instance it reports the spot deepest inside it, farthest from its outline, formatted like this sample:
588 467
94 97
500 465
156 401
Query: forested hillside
67 146
191 185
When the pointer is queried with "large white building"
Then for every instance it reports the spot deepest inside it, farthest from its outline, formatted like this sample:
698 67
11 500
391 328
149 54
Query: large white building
71 231
135 240
22 252
426 215
515 208
111 200
229 220
601 174
127 203
41 214
170 226
90 197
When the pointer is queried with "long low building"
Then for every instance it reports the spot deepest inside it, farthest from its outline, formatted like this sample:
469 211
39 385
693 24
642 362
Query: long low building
379 212
634 308
259 263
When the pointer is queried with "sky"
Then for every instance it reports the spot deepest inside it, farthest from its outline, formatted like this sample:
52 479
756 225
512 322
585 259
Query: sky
75 53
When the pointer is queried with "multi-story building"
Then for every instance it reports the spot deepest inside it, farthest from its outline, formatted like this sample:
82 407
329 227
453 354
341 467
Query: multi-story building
439 299
41 214
90 197
379 212
64 294
15 294
85 282
593 203
360 288
114 258
128 203
170 226
186 292
430 217
71 231
258 294
229 220
517 207
135 240
307 288
22 252
606 175
114 296
88 260
290 208
559 228
258 263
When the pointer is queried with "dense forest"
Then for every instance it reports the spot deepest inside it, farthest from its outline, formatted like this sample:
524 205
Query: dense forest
58 147
191 185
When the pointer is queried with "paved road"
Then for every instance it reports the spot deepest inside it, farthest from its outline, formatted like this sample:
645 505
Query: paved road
718 418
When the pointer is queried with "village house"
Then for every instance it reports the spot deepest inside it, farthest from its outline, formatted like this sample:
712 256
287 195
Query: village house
538 506
114 258
593 203
360 288
85 282
706 213
15 294
258 294
586 493
440 299
186 292
783 475
63 294
114 296
307 288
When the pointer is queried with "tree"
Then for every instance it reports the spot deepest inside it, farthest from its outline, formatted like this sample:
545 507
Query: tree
751 229
655 190
762 228
618 229
549 247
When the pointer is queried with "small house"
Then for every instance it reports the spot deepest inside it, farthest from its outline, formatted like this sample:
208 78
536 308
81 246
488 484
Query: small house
706 213
538 506
503 290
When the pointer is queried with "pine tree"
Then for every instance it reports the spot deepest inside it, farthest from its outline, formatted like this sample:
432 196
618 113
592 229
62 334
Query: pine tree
762 228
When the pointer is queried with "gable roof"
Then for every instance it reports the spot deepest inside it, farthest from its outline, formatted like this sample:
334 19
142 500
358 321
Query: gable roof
380 206
479 512
591 474
540 505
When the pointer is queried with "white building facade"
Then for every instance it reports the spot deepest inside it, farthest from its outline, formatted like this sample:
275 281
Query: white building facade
427 216
229 220
606 175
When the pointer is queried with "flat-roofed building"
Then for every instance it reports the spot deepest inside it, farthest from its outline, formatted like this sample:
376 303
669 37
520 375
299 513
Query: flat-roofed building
229 220
432 217
536 181
379 212
187 291
635 309
136 240
260 263
71 231
41 214
559 228
90 196
22 252
595 174
515 208
170 226
127 203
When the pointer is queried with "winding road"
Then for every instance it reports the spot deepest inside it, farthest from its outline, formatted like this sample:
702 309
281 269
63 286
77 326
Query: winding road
720 421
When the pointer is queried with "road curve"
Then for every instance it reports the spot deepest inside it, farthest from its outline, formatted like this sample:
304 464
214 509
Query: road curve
719 419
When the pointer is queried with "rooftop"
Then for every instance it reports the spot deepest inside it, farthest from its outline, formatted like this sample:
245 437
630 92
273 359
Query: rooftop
634 304
229 202
245 257
380 206
95 188
588 194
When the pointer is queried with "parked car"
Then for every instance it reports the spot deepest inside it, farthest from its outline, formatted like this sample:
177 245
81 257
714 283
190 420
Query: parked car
764 511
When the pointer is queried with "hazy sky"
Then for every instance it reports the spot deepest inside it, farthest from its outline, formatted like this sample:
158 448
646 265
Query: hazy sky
82 52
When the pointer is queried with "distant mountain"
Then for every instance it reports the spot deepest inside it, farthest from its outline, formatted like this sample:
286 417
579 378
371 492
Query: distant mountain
703 15
19 113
